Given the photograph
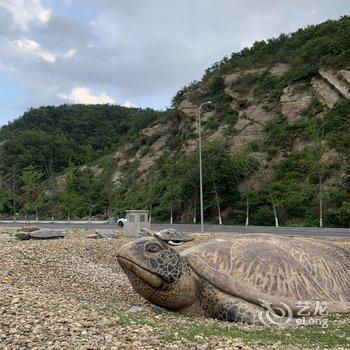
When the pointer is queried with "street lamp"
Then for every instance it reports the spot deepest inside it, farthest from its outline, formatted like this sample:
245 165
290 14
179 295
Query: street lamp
200 161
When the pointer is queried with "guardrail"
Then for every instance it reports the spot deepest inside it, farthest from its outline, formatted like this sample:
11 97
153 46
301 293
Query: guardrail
46 222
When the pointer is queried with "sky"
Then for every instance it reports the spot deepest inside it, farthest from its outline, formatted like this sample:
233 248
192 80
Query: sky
130 52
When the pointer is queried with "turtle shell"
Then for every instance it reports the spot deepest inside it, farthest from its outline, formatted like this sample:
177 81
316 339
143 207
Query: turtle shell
170 234
290 269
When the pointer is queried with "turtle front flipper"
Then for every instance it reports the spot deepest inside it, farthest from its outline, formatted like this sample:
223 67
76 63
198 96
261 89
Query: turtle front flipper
225 307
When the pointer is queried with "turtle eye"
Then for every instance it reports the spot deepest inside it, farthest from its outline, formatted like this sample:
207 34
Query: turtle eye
152 248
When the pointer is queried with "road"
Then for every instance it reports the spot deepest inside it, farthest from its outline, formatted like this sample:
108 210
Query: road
289 231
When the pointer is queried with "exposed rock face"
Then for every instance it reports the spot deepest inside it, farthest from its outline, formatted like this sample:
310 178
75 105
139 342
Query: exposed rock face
96 170
257 113
294 100
331 155
300 144
116 178
205 116
334 79
252 132
228 79
255 71
324 92
233 77
191 145
251 125
150 158
155 129
242 123
345 74
187 108
279 69
233 94
328 88
217 133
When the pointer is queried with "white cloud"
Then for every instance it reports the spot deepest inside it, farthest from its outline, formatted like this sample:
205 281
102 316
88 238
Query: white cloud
32 48
24 12
70 53
143 51
83 95
129 104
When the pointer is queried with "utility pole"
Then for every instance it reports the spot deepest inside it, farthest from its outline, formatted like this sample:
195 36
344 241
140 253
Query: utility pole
200 162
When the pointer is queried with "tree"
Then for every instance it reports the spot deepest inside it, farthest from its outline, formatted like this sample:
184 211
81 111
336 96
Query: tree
317 165
4 195
89 191
219 172
108 186
69 199
31 180
244 164
3 198
267 181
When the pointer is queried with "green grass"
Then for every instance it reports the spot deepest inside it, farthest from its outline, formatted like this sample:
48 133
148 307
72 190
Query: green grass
6 232
335 335
126 320
312 336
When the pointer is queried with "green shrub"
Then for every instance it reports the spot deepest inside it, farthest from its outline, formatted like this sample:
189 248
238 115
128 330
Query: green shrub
243 104
216 85
336 126
268 87
307 49
338 217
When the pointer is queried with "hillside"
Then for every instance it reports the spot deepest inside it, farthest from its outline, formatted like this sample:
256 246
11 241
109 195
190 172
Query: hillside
276 144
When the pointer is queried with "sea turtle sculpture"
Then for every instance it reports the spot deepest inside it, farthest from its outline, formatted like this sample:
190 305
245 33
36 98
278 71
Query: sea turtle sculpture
250 279
40 234
169 235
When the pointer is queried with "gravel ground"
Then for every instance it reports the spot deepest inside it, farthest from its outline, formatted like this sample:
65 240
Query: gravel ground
71 294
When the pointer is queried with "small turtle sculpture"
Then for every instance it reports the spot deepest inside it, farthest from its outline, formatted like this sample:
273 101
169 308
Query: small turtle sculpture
168 235
249 280
103 235
40 234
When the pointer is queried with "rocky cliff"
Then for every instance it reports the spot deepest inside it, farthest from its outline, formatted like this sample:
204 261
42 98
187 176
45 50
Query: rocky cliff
290 118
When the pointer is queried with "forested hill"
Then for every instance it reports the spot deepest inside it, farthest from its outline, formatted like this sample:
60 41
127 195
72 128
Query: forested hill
276 144
51 138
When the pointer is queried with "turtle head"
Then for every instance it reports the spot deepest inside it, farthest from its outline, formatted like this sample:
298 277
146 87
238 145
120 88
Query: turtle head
158 273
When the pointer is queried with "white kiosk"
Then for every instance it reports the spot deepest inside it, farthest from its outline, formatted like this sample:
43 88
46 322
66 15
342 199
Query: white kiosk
135 220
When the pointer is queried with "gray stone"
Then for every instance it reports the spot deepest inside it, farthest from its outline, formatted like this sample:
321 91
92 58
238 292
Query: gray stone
135 310
46 234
